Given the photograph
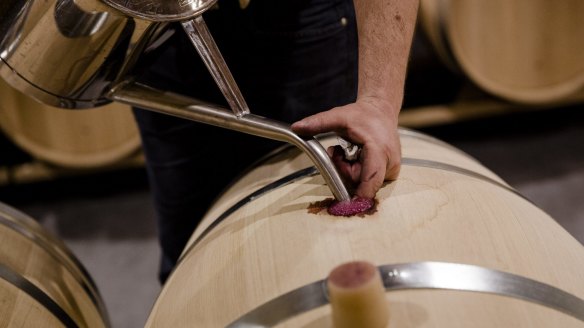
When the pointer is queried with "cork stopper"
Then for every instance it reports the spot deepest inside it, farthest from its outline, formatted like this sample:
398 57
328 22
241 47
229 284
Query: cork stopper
357 296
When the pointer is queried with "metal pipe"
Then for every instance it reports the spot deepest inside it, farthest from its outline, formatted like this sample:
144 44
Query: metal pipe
202 40
139 95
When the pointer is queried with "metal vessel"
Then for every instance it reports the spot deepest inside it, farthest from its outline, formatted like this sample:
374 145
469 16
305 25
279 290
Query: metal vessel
82 53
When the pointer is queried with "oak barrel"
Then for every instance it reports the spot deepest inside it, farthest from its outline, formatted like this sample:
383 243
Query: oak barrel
82 139
527 51
42 284
472 247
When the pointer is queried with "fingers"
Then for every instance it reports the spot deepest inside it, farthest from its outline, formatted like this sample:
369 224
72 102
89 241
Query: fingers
393 168
369 173
374 162
331 120
377 166
374 167
358 123
349 170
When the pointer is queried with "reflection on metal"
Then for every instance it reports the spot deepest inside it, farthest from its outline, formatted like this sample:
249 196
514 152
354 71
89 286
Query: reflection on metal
421 275
11 29
73 22
310 171
37 294
162 10
80 54
199 35
307 172
29 228
452 168
195 110
65 55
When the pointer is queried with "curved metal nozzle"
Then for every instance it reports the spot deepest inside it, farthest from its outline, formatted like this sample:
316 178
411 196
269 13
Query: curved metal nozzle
142 96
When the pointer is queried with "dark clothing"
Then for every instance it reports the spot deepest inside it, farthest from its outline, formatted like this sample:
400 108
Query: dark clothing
290 59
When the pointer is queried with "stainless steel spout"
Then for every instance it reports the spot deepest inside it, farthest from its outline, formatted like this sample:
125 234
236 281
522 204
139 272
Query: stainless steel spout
162 10
136 94
83 53
202 40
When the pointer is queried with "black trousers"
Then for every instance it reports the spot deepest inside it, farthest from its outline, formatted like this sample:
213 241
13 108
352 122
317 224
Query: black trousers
290 59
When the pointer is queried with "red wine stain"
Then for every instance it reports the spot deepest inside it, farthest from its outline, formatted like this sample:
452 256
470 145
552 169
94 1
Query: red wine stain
357 206
317 207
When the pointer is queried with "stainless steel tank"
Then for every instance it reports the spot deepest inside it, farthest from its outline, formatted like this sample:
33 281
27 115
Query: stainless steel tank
81 54
70 53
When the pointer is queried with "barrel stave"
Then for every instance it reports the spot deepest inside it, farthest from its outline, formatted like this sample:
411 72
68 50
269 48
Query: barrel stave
41 283
272 245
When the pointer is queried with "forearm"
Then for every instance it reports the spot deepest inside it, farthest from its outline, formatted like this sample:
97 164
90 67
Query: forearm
385 29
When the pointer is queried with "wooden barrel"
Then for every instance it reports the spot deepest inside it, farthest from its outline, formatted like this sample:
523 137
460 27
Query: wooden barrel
527 51
462 236
42 284
81 139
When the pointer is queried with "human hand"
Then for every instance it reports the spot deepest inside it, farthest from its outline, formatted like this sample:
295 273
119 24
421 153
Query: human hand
371 123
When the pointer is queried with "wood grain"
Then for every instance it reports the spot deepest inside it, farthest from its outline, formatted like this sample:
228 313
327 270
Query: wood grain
27 252
528 51
273 245
84 139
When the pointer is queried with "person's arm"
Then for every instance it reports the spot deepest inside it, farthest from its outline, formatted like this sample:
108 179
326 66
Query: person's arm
385 30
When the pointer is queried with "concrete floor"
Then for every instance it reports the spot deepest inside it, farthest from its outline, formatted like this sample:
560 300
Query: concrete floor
108 220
